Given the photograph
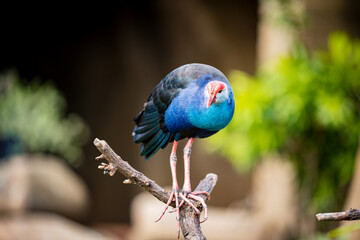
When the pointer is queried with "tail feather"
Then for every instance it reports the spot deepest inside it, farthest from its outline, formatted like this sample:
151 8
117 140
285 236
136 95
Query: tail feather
146 127
152 143
162 144
149 115
149 132
146 122
143 137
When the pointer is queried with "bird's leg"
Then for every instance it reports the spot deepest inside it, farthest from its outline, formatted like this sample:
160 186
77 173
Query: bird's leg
187 152
175 187
187 185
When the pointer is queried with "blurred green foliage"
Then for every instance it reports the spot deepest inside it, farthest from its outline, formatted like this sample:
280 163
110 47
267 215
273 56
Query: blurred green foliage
305 107
344 232
34 114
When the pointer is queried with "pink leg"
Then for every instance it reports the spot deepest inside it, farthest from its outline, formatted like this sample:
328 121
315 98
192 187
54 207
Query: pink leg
175 187
173 159
187 152
187 185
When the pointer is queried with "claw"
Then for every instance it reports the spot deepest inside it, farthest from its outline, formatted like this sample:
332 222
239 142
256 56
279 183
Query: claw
201 200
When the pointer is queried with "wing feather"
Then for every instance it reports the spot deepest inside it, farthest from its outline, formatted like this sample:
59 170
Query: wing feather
150 128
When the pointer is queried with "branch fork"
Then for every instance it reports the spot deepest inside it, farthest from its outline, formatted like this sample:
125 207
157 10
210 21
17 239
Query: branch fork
189 219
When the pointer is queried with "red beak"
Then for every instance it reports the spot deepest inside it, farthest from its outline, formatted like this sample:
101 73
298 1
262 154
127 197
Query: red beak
213 88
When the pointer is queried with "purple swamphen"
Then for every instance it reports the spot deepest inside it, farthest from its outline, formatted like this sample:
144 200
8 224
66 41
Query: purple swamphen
193 101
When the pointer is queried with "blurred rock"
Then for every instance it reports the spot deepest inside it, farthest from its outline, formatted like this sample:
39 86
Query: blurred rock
14 185
40 182
44 227
270 213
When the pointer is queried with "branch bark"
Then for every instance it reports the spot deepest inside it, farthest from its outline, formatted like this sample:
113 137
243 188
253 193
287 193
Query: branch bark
348 215
189 220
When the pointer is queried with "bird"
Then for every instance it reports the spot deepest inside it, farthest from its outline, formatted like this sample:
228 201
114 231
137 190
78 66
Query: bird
193 101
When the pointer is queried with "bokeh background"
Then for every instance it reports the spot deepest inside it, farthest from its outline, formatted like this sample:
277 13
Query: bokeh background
73 72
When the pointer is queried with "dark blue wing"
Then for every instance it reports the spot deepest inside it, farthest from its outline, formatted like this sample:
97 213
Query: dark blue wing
150 129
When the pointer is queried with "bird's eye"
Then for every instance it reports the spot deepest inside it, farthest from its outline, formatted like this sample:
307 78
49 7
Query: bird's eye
220 91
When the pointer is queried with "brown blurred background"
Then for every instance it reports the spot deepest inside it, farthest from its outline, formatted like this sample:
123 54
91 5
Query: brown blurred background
106 59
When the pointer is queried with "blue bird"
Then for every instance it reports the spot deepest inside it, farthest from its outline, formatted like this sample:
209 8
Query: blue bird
193 101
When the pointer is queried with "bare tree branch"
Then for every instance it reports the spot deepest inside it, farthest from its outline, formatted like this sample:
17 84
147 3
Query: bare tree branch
189 220
348 215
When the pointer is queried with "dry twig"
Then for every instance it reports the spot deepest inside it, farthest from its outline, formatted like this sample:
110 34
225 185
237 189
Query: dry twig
348 215
189 220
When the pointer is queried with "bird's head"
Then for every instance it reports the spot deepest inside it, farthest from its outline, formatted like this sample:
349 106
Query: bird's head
216 92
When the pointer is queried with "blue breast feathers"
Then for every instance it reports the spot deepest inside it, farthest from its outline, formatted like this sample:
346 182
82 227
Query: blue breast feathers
188 113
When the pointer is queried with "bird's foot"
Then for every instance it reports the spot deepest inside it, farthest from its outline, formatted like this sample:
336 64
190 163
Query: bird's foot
175 194
197 198
193 195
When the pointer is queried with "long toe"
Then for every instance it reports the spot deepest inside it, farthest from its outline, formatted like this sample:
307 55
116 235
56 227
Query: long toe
202 201
174 195
167 205
186 199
